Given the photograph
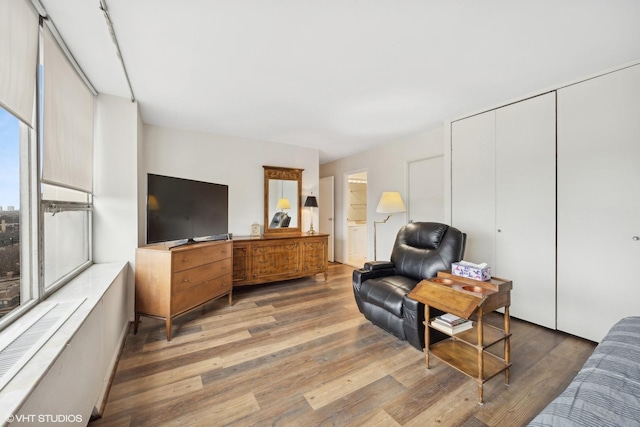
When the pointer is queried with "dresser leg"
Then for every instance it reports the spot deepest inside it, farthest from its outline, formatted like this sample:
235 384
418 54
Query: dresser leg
230 298
168 327
136 322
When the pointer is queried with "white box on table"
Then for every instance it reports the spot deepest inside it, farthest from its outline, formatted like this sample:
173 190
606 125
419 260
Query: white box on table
471 272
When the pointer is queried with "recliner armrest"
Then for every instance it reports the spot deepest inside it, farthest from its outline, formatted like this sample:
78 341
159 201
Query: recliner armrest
378 265
362 275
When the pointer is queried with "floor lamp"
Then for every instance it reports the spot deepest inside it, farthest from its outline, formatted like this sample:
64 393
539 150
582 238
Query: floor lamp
390 203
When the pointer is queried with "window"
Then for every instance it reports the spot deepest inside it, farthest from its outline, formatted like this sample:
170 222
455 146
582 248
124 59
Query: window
9 212
67 166
16 230
67 229
45 170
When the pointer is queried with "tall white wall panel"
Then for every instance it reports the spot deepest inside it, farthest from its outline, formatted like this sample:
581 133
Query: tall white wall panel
473 164
526 206
598 202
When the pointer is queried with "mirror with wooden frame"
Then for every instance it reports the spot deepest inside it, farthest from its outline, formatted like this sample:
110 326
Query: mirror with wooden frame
282 196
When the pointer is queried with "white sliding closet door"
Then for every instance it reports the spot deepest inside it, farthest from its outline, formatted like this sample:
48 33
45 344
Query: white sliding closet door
503 197
598 203
473 184
526 206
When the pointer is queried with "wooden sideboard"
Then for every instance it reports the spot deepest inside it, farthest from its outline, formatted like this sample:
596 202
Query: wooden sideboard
281 257
170 282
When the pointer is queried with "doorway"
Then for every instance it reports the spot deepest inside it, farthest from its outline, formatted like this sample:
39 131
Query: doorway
357 219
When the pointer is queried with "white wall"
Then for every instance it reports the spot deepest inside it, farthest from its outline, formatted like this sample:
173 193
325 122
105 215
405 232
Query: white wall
116 201
234 161
386 168
142 185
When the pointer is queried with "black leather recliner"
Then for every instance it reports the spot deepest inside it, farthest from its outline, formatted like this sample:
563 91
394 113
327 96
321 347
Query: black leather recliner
280 220
421 250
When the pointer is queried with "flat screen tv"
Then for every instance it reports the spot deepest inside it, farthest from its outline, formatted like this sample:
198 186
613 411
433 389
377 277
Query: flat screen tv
184 209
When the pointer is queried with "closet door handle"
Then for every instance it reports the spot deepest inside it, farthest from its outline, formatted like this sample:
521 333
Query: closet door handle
636 238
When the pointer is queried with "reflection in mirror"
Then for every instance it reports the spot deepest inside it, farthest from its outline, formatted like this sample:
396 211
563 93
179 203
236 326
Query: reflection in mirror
282 199
283 205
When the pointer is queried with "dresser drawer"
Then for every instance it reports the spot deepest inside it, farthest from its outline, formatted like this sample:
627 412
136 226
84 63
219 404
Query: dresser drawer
314 255
240 263
186 279
189 258
276 259
196 295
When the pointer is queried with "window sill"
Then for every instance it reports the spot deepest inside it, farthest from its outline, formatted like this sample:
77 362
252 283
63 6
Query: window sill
85 291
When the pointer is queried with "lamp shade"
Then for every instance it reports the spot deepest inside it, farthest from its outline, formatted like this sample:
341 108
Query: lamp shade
311 202
390 202
152 202
283 204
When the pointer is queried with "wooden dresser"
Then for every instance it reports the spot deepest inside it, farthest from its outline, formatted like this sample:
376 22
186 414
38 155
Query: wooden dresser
281 257
170 282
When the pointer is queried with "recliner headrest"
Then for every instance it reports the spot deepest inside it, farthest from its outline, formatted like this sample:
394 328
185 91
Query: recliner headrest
422 249
424 235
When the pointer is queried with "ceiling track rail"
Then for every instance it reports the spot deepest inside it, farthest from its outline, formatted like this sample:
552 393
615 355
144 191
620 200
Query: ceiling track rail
112 33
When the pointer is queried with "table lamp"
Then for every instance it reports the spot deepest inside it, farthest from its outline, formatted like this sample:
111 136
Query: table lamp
311 202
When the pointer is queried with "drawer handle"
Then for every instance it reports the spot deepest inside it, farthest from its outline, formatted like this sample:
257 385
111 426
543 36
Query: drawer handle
185 259
186 280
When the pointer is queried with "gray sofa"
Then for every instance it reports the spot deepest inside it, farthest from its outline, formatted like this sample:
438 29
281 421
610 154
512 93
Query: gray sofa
606 391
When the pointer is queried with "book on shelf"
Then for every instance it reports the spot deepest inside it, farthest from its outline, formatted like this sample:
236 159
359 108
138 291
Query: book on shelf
451 330
449 319
442 326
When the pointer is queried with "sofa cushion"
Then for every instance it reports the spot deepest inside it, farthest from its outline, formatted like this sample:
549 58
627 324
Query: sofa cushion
387 292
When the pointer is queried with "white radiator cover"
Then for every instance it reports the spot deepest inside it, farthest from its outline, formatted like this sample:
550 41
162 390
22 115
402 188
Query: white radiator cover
70 374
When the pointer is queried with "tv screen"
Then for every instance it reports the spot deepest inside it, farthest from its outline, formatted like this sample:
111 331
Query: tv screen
179 209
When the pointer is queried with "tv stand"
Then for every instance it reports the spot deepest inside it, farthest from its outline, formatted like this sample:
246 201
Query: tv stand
172 282
188 242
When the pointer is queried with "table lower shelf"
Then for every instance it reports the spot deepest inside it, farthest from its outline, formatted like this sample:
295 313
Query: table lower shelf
464 358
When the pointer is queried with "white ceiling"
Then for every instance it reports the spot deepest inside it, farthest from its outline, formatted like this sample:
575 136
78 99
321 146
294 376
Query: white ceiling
340 75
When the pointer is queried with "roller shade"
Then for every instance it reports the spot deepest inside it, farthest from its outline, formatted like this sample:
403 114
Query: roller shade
19 56
68 122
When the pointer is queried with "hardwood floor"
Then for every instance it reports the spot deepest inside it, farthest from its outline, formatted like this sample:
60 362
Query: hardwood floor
298 353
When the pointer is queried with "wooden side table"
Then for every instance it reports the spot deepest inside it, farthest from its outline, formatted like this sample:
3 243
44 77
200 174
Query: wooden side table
470 299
